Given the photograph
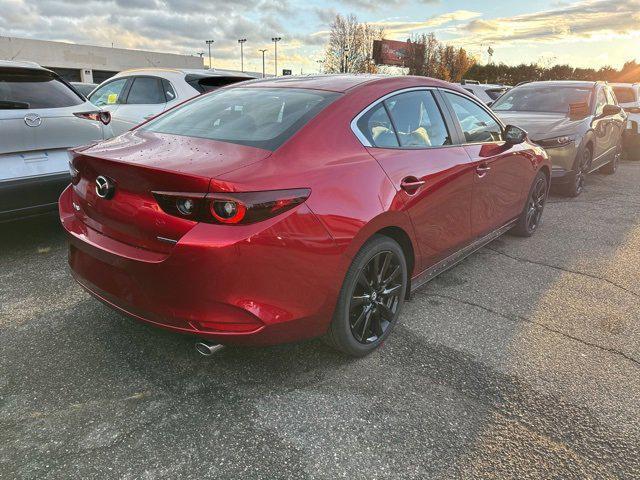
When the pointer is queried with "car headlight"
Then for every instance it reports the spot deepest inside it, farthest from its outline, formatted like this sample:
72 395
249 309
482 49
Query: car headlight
557 141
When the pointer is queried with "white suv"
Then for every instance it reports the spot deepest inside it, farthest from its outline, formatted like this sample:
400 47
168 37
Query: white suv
486 92
134 96
41 117
628 96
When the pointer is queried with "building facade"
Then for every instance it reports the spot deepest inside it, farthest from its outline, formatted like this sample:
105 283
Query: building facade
87 63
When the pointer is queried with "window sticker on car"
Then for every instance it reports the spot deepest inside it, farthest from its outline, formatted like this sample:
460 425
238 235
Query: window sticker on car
112 98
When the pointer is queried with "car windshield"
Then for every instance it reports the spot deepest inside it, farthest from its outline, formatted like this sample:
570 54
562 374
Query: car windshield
552 99
624 94
257 117
25 89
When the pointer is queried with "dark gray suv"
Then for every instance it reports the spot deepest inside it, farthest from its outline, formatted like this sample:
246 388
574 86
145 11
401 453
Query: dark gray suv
579 124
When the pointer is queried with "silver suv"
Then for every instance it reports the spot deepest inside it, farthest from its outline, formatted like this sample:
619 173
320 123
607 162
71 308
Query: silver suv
41 117
579 124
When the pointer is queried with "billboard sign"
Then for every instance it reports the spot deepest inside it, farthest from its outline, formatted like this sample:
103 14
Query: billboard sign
286 71
393 52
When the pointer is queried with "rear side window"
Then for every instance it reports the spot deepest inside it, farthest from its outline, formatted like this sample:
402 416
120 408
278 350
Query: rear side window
34 89
258 117
417 120
145 91
494 93
376 126
477 125
169 92
601 101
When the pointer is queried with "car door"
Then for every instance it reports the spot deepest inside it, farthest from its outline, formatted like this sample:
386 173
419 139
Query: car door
109 96
145 98
601 130
616 124
408 134
500 170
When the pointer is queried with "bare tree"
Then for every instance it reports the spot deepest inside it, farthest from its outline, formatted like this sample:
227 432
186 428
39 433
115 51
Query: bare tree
350 46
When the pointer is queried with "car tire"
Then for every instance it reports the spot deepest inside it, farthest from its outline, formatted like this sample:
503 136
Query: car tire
531 217
360 324
611 167
575 186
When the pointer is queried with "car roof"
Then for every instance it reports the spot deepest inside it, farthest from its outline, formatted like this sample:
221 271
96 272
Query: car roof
181 71
562 83
26 65
342 83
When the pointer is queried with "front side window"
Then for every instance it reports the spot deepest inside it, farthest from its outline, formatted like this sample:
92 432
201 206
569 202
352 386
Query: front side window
258 117
108 94
24 89
477 124
601 101
418 120
543 98
625 94
145 91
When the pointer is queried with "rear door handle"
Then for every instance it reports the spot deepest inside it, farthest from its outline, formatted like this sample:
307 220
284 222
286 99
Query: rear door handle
411 184
482 170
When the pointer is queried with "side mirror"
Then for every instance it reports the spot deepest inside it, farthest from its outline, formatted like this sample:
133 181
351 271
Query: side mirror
611 110
514 135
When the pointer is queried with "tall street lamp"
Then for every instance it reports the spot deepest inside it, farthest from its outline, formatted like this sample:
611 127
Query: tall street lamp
241 42
209 43
263 50
275 41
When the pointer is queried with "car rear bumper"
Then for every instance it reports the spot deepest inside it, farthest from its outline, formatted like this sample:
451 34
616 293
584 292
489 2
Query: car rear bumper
23 197
254 285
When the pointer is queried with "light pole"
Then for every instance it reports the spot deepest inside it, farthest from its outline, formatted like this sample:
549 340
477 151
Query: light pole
275 41
263 50
209 43
346 60
241 42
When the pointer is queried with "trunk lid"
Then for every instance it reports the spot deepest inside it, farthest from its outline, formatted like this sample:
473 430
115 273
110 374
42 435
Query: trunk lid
140 163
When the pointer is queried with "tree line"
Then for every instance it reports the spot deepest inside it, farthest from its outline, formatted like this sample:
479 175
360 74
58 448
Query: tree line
350 49
512 75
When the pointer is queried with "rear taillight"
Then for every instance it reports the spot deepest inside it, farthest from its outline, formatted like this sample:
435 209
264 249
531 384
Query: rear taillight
75 174
230 208
97 116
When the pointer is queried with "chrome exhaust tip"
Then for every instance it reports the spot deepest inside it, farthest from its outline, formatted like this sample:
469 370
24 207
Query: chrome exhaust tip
203 347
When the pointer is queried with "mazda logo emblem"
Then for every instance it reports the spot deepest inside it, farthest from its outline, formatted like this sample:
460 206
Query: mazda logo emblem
105 187
32 120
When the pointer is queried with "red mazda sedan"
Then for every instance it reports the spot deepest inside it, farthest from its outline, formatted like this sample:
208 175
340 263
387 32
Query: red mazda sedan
291 208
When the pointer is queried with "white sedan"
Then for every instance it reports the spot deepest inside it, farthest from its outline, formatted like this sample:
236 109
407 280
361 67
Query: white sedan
134 96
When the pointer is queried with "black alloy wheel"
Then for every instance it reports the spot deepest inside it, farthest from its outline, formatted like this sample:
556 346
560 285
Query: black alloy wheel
531 217
376 297
370 299
535 204
576 185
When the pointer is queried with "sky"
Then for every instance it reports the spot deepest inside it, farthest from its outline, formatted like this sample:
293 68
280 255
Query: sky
587 33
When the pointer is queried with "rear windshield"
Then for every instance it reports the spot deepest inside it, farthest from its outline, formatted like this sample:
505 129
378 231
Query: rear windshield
205 84
624 94
34 89
550 99
495 92
257 117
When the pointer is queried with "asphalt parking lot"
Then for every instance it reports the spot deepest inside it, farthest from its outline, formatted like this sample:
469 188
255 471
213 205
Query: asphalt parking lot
521 362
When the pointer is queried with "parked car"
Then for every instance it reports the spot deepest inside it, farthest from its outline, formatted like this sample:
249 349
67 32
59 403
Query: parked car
628 96
295 207
486 92
41 116
84 88
134 96
579 124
